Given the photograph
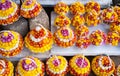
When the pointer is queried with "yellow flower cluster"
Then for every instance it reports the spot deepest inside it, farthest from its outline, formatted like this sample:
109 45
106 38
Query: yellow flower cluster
117 10
36 71
82 31
97 37
83 42
61 67
61 8
98 70
115 26
78 20
7 12
92 18
79 70
43 49
109 15
28 6
41 46
77 8
61 21
12 43
92 5
9 69
113 38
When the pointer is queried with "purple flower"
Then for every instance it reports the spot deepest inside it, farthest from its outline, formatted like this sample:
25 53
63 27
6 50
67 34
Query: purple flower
56 62
28 2
5 5
6 38
65 32
81 63
28 67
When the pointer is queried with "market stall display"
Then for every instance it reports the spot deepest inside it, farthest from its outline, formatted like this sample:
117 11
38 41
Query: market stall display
73 33
30 66
11 43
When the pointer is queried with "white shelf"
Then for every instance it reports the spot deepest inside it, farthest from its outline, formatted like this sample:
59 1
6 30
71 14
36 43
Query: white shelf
91 50
53 2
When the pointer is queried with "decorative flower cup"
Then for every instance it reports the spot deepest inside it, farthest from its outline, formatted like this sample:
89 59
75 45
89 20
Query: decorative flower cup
30 66
56 66
92 6
39 40
62 20
109 15
83 42
77 8
117 10
103 66
6 68
61 8
64 37
113 38
78 20
11 43
79 66
30 9
92 18
9 12
98 37
115 26
82 31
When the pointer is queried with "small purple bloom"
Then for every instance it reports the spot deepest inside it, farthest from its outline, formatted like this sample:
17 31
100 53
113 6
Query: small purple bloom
28 67
6 38
5 5
81 63
28 2
65 32
56 62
